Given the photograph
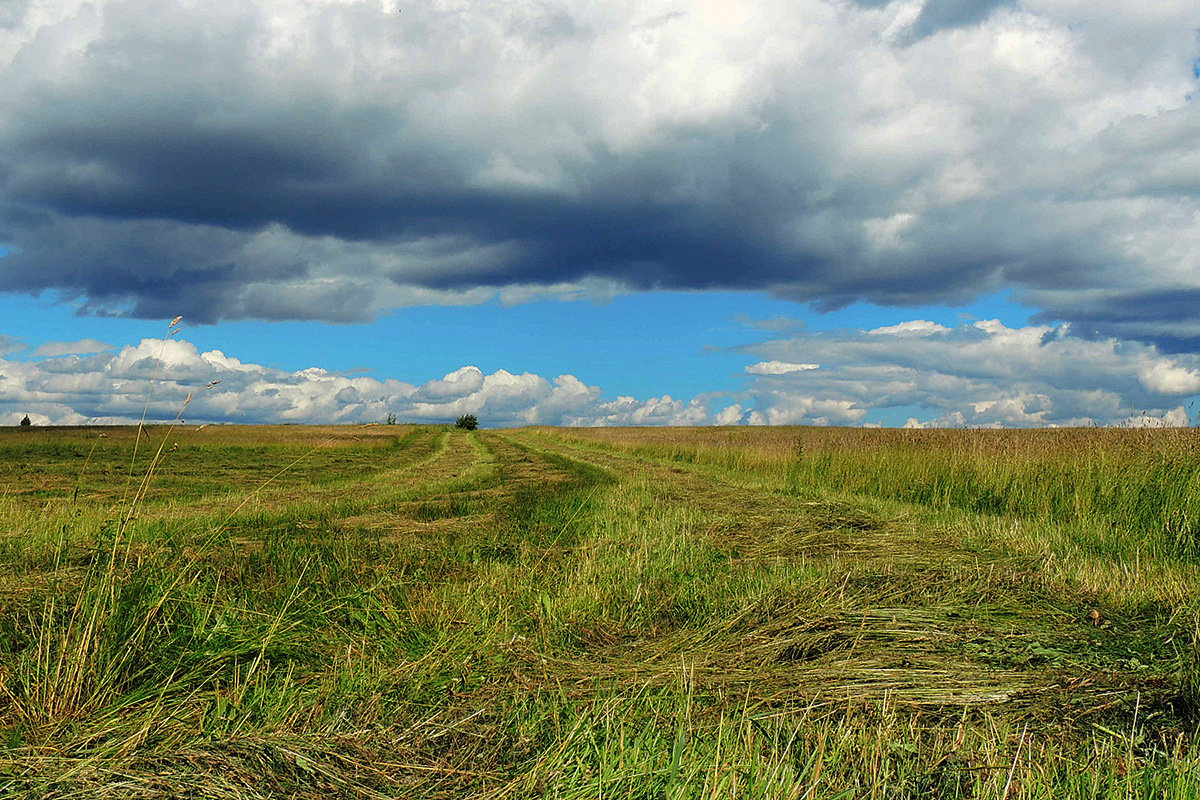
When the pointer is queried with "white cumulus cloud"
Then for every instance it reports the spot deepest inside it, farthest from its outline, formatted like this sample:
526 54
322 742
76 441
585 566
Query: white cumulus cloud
778 368
1166 377
980 374
113 387
916 327
80 347
983 374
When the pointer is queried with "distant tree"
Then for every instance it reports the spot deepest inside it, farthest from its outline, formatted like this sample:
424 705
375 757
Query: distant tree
25 423
467 422
391 418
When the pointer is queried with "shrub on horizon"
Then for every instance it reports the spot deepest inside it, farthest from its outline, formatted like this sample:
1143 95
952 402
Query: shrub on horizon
467 422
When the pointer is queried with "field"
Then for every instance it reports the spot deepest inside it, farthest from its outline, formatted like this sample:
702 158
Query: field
395 611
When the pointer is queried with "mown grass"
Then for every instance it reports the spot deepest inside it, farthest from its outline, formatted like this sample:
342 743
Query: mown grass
423 612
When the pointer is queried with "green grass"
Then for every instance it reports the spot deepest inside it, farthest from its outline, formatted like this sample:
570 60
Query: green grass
426 612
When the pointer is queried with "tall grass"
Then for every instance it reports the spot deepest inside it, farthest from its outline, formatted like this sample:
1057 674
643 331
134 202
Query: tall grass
1140 487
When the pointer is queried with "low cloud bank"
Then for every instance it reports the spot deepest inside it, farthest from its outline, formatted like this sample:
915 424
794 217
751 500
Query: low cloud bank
983 374
114 387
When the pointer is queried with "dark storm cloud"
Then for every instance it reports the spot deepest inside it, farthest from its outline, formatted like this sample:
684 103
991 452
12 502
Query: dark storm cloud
330 160
1168 316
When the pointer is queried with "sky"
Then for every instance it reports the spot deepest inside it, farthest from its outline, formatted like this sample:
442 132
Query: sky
963 213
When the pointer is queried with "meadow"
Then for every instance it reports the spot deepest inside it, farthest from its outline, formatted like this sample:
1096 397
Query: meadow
399 611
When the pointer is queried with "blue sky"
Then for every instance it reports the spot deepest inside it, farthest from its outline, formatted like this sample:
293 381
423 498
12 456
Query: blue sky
921 212
681 344
621 344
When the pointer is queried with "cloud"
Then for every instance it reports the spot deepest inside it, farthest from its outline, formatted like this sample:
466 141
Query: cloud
916 327
778 368
113 387
730 415
937 15
1166 378
981 374
797 409
1175 418
663 410
330 160
458 383
80 347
